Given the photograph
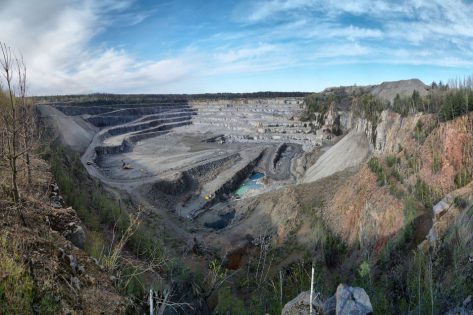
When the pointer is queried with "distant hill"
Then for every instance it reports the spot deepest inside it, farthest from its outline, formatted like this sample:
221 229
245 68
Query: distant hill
388 90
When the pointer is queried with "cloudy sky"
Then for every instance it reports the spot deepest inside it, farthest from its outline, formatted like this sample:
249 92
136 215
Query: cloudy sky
191 46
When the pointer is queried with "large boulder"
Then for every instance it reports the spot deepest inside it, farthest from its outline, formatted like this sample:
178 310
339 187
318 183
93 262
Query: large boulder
352 301
346 301
300 305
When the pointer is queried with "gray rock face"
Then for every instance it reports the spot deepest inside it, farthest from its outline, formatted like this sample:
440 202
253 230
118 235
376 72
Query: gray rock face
330 306
77 236
352 301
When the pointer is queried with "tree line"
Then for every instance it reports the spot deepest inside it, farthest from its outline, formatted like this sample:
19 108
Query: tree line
112 99
448 101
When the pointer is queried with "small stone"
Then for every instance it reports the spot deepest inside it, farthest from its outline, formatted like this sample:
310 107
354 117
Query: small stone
61 253
75 282
81 269
95 260
89 280
72 262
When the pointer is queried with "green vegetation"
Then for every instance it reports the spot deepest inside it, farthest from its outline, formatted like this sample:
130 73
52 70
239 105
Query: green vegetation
334 249
228 304
392 160
436 163
456 103
424 193
414 162
462 178
16 285
378 170
390 176
408 104
100 214
369 108
460 202
317 105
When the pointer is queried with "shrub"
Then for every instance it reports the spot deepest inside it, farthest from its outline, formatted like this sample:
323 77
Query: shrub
94 244
462 178
392 160
334 248
437 164
423 193
460 202
414 162
377 169
396 175
228 304
395 191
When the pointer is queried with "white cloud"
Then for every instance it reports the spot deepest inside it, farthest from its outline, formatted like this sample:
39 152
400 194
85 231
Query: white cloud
54 37
445 28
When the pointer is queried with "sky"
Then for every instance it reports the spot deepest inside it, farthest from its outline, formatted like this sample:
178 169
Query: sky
206 46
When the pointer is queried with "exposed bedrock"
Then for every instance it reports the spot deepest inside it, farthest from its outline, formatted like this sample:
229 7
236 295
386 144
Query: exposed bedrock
232 184
100 151
146 125
104 121
129 142
190 157
141 111
277 157
191 178
80 110
181 183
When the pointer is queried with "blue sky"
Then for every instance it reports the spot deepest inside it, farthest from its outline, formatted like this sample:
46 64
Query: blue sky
133 46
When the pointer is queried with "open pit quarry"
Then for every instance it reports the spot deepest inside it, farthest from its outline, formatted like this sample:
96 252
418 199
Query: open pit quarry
191 157
206 165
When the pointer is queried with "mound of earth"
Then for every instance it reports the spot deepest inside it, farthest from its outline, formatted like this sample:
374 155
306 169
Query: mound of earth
350 151
388 90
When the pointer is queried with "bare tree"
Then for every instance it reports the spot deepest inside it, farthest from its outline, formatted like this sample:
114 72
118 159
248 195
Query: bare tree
17 125
10 119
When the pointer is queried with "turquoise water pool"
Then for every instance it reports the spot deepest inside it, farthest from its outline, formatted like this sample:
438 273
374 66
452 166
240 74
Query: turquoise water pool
251 183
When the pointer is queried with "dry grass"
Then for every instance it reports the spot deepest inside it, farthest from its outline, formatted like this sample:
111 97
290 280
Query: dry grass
16 286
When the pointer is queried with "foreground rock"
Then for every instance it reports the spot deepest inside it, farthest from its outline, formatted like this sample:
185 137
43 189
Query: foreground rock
352 301
346 301
300 305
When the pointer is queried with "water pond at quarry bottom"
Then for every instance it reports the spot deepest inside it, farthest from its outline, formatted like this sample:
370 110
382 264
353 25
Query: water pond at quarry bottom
251 183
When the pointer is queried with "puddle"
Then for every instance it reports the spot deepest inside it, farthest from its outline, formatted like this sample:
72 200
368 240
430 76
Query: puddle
251 183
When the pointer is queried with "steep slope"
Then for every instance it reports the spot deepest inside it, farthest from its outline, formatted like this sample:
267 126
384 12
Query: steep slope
351 151
42 271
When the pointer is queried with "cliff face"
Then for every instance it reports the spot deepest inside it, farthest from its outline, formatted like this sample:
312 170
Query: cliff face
363 213
424 151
